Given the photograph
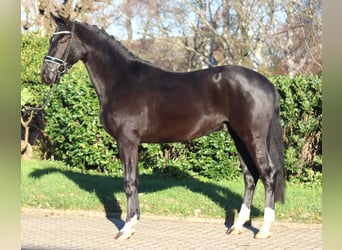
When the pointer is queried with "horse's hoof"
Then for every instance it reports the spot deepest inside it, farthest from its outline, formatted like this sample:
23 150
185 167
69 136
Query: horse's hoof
124 235
262 235
233 231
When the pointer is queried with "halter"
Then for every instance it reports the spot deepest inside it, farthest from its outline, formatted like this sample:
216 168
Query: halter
63 65
62 68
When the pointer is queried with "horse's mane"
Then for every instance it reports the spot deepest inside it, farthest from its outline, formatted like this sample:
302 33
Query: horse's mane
117 45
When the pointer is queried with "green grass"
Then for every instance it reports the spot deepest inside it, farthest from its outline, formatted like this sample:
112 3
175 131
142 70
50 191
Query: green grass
52 185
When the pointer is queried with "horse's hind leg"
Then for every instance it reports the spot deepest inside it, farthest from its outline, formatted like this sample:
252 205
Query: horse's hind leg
251 176
256 163
259 153
268 175
250 180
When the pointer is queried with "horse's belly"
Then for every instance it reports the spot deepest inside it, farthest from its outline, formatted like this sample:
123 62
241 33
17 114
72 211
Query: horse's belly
182 130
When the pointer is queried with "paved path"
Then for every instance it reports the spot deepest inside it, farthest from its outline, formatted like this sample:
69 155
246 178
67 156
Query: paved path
41 229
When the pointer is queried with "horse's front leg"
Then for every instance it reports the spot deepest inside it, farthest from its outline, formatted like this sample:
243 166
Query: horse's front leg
129 155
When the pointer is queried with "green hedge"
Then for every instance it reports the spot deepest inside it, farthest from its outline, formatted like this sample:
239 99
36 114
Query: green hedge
77 137
301 112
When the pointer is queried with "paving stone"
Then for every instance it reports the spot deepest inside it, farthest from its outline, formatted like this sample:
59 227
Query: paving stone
84 231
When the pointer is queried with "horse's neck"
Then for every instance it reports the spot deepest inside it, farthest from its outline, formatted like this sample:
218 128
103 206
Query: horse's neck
97 82
105 69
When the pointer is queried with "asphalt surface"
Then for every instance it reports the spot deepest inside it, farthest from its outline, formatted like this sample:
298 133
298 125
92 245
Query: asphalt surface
47 229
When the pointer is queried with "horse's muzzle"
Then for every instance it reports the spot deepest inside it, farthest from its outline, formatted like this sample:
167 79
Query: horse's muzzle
50 74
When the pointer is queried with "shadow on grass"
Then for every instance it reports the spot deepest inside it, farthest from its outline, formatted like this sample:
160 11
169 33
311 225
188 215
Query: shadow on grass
105 188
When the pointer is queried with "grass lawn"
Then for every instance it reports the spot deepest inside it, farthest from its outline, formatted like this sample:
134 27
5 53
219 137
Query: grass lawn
52 185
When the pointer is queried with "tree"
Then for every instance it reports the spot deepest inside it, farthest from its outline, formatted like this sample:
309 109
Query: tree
213 32
297 42
266 35
36 13
269 36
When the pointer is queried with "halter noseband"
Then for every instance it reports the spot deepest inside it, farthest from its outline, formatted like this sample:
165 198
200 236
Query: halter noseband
63 65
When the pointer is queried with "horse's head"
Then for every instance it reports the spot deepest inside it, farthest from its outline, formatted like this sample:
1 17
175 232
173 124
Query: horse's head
65 50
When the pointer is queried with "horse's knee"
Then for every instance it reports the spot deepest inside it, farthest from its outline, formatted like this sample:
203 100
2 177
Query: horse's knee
131 186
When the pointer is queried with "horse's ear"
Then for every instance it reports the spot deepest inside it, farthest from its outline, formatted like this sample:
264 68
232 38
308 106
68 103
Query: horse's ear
57 19
60 19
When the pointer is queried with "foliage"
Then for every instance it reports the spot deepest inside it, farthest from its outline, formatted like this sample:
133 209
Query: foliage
301 110
26 96
213 156
33 49
74 128
77 137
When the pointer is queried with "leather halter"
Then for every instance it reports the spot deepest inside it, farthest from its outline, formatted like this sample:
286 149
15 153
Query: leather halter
63 65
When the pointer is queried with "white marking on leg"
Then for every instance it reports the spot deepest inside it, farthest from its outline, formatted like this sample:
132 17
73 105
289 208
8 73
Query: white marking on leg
129 225
217 77
269 217
243 217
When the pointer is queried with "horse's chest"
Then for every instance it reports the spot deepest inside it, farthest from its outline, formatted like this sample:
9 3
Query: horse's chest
110 119
105 120
120 120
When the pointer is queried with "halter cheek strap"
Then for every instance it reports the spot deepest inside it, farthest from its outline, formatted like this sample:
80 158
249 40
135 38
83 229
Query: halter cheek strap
63 65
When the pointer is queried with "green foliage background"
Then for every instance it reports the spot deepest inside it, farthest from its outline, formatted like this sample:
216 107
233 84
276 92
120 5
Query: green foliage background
77 137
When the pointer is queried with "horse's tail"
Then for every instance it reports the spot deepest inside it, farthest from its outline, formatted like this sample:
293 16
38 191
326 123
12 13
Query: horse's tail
276 149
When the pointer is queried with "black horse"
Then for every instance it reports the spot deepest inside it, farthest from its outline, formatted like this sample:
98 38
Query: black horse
143 103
